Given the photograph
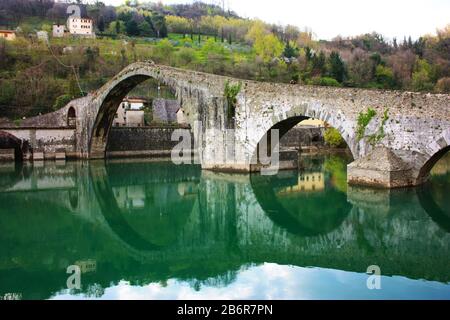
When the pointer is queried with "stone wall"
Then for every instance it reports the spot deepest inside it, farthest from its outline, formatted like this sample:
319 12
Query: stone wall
156 141
141 141
47 141
304 136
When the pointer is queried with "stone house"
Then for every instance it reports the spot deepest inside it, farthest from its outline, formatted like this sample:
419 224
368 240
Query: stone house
130 113
80 27
58 30
8 35
165 110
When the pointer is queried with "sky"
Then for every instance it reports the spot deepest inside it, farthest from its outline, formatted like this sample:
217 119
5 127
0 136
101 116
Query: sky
329 18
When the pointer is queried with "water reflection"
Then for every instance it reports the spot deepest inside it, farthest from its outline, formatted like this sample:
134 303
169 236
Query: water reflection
305 203
155 230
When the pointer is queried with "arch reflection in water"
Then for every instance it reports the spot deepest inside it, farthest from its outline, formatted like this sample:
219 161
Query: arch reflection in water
155 225
434 194
146 205
308 203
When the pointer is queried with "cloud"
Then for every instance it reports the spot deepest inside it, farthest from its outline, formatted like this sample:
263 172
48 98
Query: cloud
277 282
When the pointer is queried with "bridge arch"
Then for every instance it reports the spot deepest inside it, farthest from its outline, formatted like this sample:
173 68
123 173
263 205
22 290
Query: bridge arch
10 141
285 121
441 147
71 117
191 92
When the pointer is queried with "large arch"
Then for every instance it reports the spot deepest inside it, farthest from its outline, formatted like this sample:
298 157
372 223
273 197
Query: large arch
145 228
107 111
192 90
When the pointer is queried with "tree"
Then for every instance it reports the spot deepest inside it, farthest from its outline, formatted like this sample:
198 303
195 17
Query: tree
421 78
290 51
257 31
116 27
101 24
337 66
268 47
146 29
159 23
319 64
132 28
384 77
178 24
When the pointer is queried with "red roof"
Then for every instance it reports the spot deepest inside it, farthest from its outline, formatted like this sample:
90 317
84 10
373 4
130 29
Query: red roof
7 31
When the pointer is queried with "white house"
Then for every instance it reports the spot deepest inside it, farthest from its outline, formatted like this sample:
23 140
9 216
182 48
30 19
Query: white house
130 113
80 26
8 34
58 30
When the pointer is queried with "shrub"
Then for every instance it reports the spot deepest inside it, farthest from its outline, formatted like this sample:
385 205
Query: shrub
230 92
333 138
362 122
61 101
443 85
324 81
385 77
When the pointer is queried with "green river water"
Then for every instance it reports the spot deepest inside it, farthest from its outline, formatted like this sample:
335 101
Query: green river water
153 230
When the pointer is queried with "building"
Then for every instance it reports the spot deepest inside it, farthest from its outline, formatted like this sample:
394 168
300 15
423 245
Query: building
80 26
311 122
307 182
130 113
8 34
166 111
58 30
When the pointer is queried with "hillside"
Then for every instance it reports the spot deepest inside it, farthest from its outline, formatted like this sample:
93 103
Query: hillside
37 77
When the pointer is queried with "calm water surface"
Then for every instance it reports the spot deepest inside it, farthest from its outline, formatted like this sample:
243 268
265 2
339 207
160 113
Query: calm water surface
146 230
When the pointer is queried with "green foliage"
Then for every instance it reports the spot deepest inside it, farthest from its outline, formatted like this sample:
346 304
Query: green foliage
336 66
62 101
319 64
377 137
7 91
333 138
384 77
290 50
132 28
230 93
268 47
324 81
363 121
421 78
163 51
146 29
117 27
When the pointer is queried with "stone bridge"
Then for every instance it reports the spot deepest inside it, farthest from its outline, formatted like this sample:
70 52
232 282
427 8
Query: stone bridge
394 151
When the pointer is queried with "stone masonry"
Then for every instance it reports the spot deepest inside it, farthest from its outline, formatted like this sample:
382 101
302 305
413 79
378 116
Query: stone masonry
416 133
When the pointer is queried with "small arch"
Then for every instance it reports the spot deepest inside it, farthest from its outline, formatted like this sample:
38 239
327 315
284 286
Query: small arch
287 124
424 172
9 141
71 117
